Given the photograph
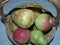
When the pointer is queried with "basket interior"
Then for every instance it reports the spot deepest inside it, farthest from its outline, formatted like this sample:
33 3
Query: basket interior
49 36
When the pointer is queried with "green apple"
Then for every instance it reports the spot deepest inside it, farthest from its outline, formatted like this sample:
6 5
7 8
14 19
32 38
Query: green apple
37 37
44 22
13 27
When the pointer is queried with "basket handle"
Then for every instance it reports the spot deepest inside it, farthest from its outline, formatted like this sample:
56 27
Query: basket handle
57 6
54 2
1 9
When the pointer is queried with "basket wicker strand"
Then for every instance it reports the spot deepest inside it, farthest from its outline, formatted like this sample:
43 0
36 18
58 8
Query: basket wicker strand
49 36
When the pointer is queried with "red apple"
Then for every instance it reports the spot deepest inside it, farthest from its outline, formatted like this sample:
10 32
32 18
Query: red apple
21 36
44 22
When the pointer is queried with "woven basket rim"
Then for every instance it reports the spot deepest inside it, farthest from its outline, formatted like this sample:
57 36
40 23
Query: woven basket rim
52 33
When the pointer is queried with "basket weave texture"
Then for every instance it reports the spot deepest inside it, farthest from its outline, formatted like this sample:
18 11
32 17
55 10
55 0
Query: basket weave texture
49 36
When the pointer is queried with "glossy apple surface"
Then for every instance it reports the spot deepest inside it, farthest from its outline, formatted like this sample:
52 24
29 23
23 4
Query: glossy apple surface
37 37
21 36
44 22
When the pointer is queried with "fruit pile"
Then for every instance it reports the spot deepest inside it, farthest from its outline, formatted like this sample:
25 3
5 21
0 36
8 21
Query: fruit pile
29 26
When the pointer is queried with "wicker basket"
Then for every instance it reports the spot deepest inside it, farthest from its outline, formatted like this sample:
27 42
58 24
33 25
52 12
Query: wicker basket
49 36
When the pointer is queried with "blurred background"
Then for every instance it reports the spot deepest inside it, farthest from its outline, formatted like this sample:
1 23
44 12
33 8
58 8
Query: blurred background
11 4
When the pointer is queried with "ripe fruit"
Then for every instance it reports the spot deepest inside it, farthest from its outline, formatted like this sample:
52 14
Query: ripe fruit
13 27
21 36
44 22
37 37
23 17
